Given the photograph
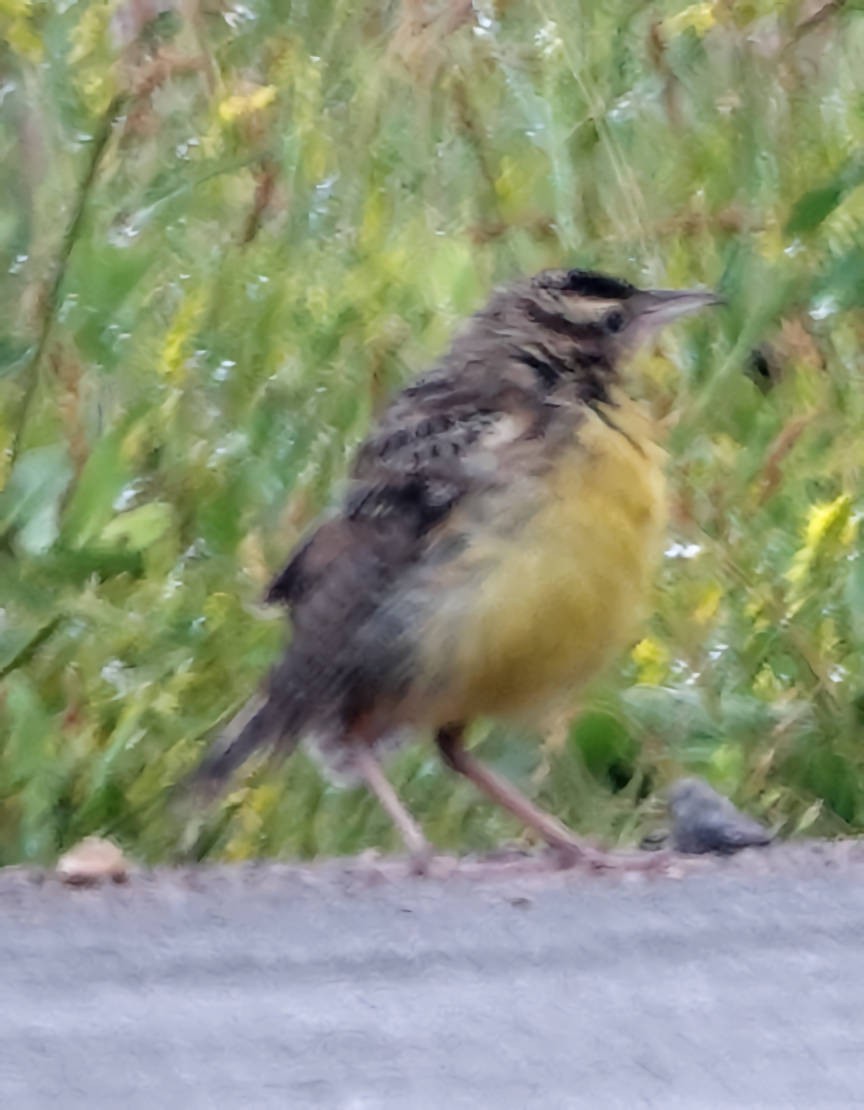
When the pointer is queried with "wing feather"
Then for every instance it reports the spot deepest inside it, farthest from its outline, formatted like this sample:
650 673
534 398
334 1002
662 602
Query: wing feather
435 443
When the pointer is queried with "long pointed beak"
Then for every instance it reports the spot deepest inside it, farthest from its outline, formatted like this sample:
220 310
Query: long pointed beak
658 306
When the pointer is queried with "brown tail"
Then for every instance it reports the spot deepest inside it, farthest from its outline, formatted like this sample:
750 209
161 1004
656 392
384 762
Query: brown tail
264 722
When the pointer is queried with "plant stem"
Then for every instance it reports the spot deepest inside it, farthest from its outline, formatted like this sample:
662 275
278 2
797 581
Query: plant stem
52 300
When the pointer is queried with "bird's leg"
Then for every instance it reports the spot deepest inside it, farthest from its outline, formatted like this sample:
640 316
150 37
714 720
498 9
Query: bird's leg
370 770
570 849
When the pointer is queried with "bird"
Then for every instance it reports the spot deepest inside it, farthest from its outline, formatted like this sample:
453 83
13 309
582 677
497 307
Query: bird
491 551
705 821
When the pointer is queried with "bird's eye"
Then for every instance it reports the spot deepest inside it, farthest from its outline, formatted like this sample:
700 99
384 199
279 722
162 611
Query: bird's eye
613 321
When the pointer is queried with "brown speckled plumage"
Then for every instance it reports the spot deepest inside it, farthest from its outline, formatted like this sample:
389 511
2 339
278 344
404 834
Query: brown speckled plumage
458 464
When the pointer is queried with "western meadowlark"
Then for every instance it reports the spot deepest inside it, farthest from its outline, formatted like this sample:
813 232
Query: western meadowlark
493 549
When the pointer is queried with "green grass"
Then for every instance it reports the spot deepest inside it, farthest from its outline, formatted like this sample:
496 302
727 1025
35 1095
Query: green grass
228 239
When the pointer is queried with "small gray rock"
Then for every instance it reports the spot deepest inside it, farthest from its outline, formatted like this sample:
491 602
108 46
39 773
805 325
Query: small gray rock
705 821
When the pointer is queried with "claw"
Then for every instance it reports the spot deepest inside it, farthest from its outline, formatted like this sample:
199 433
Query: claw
575 853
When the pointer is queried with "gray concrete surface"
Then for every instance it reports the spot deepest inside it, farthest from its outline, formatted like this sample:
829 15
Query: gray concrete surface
741 984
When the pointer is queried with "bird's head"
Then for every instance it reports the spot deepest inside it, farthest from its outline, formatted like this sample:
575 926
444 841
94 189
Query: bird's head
585 322
595 308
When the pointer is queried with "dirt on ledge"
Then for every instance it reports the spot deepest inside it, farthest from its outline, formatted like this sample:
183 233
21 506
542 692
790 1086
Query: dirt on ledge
510 870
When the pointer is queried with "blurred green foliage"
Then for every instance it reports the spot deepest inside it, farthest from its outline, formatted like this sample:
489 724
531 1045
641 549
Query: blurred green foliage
230 229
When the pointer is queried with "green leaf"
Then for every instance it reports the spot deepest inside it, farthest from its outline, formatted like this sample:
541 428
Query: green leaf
812 209
27 758
29 723
19 645
855 599
13 355
111 278
92 504
843 280
139 528
605 743
30 503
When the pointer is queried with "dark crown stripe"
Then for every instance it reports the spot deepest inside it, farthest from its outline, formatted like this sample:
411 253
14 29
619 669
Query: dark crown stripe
600 286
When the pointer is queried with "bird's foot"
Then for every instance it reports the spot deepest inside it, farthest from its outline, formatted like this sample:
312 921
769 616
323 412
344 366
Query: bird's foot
577 853
420 859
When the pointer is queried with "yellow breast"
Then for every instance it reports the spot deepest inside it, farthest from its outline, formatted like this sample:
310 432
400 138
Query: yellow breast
539 610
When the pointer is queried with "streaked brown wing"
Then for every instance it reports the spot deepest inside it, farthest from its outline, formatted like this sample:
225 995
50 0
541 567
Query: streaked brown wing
435 443
432 428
